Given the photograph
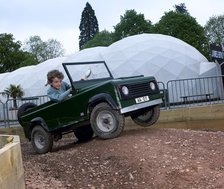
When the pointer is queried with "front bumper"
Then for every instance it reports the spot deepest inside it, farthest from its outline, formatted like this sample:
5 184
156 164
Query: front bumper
140 106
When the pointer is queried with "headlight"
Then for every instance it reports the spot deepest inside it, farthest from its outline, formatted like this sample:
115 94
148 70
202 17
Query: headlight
125 90
152 86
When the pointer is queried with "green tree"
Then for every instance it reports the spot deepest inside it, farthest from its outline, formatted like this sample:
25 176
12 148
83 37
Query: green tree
181 8
14 91
35 46
88 26
43 50
29 60
103 38
183 27
11 54
214 29
52 49
131 24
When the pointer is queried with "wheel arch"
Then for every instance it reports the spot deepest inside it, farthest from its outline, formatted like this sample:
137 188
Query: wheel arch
37 121
102 97
22 109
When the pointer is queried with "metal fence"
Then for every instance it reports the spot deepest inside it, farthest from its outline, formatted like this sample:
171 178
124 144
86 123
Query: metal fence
2 114
195 92
163 90
176 94
8 110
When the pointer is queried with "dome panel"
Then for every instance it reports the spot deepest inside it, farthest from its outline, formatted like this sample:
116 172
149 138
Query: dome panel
165 57
163 51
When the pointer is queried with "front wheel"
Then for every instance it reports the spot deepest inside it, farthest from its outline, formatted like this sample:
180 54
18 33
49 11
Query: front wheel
41 140
106 122
147 117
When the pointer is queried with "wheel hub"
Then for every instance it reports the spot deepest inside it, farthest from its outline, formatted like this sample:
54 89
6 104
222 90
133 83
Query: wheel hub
106 121
39 141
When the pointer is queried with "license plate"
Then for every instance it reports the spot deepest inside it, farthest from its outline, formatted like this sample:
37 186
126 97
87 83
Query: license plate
142 99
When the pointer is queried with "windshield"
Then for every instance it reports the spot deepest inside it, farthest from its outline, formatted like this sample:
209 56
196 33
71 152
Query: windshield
86 71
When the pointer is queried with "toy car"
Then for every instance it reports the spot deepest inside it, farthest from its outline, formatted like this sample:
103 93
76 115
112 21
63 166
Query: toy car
97 105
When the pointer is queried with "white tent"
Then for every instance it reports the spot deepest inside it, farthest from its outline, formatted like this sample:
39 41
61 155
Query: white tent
165 57
31 78
87 55
162 56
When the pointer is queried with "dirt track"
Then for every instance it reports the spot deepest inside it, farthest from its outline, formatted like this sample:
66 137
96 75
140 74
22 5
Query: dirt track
147 158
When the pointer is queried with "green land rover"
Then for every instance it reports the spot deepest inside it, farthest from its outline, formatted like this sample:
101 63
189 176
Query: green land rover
97 105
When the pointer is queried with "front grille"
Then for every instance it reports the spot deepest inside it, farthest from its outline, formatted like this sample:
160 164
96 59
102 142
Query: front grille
139 89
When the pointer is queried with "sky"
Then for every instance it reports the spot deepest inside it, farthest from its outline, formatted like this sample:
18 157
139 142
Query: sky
60 19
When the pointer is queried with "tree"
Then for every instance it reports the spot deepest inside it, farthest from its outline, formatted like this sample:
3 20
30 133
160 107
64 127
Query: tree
14 91
35 46
88 26
53 49
103 38
214 29
29 60
183 27
11 54
181 8
131 24
43 50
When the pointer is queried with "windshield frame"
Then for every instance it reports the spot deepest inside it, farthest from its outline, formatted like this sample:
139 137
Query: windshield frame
67 64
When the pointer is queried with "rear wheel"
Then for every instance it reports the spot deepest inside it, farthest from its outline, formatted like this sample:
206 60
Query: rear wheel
24 108
42 141
147 117
84 133
106 122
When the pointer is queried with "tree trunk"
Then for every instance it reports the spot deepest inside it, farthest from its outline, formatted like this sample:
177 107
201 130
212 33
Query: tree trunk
14 103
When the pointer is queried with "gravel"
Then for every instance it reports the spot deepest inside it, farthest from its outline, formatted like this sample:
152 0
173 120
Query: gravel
139 159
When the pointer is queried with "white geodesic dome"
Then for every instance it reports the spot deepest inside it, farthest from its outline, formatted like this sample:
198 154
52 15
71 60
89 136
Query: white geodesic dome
87 55
32 79
162 56
165 57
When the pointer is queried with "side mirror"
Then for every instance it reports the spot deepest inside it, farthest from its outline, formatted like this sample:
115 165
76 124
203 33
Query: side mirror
88 73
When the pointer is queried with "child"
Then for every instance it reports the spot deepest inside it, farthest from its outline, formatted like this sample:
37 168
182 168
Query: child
58 89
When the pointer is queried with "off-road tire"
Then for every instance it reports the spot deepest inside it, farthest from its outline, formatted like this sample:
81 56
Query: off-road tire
24 108
84 133
106 122
147 118
42 141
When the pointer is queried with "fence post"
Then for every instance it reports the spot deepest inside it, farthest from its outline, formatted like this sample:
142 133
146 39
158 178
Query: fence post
7 113
3 111
168 97
164 90
4 114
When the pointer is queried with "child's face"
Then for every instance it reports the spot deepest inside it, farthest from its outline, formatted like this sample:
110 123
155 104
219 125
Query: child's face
56 83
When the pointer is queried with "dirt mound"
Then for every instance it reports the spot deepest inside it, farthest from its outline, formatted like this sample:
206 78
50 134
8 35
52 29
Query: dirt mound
146 158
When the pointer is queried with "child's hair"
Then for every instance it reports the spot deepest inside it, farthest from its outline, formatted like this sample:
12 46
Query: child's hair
52 74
